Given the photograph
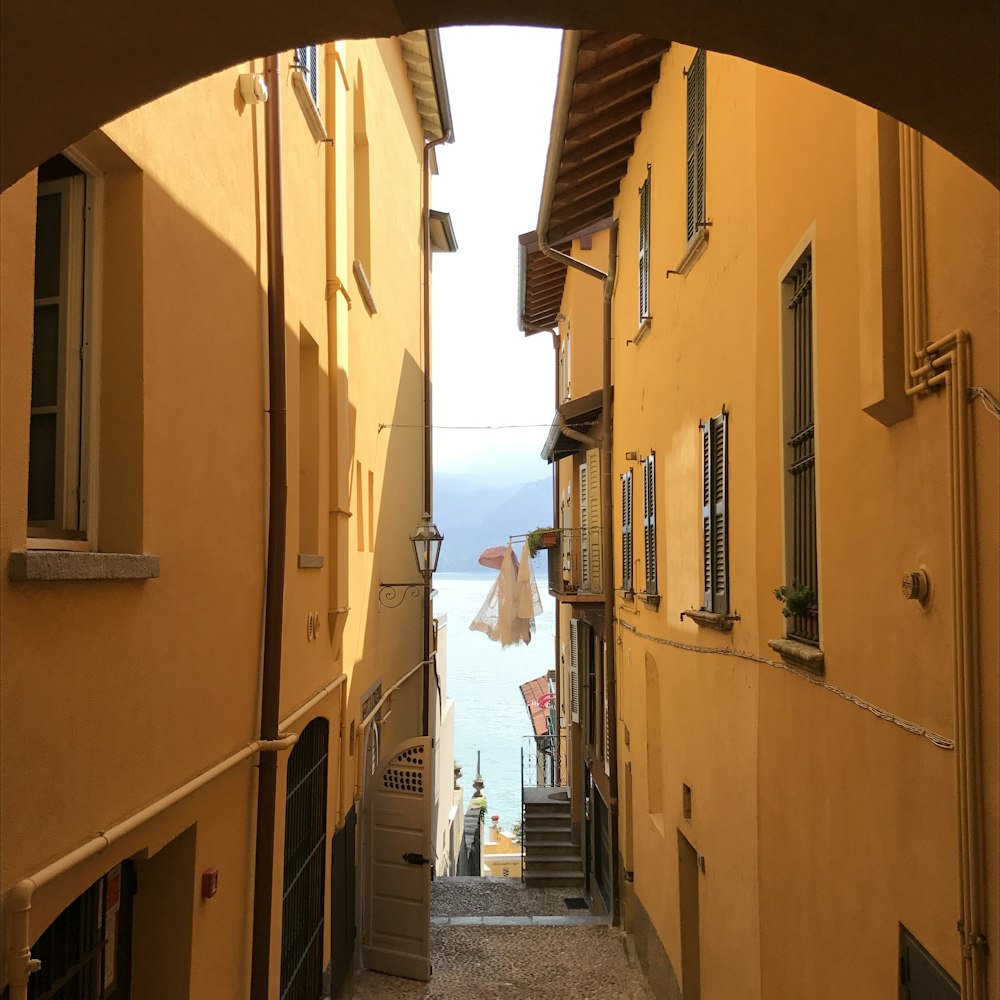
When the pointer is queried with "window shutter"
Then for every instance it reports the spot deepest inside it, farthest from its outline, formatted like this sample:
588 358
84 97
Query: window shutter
696 114
706 512
649 520
594 518
627 558
574 669
584 530
644 250
720 515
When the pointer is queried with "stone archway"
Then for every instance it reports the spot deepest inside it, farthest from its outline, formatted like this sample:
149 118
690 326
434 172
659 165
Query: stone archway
68 68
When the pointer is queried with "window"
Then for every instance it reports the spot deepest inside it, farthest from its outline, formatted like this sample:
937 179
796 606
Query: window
715 513
696 145
307 63
649 519
800 448
921 977
574 668
59 442
565 360
85 953
644 250
627 556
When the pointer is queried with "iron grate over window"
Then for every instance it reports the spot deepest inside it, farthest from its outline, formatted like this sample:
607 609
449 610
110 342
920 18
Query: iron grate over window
302 907
307 60
801 452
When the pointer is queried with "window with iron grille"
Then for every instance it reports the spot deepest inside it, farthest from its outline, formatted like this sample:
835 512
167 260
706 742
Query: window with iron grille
800 448
696 145
627 555
307 62
715 513
649 519
644 250
85 953
302 905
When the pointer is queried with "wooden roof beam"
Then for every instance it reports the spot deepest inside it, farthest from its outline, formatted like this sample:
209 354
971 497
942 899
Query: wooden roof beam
626 132
608 97
640 55
594 126
579 221
571 209
594 176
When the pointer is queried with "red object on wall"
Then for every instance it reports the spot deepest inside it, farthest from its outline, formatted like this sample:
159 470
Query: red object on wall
209 883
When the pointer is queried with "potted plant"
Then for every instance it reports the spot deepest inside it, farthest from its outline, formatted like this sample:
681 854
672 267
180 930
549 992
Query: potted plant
542 538
797 599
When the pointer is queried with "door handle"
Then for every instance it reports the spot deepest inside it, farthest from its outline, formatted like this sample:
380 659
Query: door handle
412 858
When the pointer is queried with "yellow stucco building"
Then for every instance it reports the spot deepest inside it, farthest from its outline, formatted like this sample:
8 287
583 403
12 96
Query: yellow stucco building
142 278
798 792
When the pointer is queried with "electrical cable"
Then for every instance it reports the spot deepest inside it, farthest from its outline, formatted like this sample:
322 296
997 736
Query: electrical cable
881 713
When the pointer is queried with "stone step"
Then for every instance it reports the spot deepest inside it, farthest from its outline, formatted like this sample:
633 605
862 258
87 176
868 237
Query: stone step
556 849
552 835
568 859
547 812
569 879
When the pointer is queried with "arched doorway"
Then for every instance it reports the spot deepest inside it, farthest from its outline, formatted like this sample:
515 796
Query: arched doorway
303 909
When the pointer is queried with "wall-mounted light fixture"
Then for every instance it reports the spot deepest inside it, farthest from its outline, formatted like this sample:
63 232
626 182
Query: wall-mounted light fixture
426 541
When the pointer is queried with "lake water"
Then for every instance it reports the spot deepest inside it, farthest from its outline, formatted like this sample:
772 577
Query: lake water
483 680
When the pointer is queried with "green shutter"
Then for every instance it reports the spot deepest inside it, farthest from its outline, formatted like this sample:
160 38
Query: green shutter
644 250
649 520
715 514
627 558
696 115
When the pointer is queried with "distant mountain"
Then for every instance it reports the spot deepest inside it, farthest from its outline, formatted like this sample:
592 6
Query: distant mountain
473 516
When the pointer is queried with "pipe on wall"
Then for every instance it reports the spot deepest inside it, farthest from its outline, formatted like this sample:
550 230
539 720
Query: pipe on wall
428 402
274 584
20 964
946 364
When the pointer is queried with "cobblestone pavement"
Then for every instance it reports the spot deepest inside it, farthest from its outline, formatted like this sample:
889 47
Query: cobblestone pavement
575 956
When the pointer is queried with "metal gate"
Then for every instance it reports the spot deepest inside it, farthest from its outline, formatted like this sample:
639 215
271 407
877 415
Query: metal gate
302 903
398 862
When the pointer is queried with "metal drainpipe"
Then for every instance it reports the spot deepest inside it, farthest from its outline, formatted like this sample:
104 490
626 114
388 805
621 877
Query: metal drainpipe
564 93
608 565
428 410
277 522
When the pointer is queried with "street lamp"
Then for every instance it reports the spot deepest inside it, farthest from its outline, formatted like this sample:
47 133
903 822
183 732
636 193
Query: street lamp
426 541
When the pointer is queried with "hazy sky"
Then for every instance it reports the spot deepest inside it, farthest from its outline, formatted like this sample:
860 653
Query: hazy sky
501 82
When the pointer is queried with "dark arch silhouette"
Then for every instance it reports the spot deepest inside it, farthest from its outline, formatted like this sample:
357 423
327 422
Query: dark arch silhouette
66 68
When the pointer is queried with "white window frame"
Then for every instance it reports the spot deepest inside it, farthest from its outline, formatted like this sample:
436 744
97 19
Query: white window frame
80 396
305 83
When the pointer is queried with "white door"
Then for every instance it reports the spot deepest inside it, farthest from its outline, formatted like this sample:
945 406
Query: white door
396 923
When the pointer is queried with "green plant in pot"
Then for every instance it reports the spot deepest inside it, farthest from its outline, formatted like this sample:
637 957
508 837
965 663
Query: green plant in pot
797 599
541 538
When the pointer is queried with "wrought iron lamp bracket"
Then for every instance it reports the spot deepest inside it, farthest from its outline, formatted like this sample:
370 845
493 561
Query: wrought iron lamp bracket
392 595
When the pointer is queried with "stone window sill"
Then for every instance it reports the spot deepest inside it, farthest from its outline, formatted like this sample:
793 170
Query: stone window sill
650 600
308 561
711 619
644 327
304 96
365 288
695 248
798 654
54 564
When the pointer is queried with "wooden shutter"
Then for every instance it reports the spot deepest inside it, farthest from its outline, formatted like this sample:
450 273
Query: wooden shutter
649 519
715 513
644 250
594 519
627 558
584 529
574 669
696 113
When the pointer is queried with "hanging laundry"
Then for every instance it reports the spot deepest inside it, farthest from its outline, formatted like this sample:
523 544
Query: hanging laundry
508 613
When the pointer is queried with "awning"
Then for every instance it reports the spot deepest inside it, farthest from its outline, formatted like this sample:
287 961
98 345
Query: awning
579 414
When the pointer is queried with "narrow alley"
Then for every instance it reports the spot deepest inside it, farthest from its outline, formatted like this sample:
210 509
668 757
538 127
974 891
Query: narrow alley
502 939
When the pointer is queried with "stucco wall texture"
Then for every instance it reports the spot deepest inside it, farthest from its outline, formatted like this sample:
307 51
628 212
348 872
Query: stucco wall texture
116 692
820 826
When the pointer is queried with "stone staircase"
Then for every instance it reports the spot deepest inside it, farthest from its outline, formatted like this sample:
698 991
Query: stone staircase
550 856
